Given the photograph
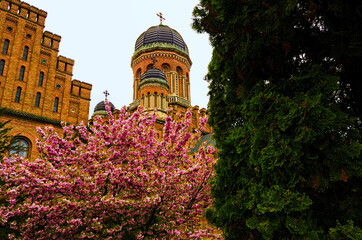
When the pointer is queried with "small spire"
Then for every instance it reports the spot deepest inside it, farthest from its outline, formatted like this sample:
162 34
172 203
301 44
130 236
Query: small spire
106 94
161 17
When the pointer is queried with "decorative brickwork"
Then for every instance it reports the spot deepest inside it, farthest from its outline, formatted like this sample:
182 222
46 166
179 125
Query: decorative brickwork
166 46
43 72
172 58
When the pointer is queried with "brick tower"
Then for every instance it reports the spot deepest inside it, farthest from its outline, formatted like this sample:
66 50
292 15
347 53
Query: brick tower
36 86
161 67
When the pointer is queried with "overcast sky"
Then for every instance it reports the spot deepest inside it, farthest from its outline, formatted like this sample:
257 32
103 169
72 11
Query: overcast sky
100 37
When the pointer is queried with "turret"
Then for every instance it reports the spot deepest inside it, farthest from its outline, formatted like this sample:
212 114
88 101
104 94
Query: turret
24 10
161 49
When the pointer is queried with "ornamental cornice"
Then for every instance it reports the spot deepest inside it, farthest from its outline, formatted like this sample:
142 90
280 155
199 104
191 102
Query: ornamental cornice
160 45
170 55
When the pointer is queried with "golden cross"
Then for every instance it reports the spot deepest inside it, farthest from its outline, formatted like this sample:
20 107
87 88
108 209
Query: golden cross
161 17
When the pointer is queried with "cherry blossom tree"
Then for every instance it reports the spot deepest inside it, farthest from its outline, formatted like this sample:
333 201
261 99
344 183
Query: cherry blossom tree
115 180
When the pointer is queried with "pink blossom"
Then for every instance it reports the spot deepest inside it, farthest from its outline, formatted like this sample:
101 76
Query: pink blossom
116 180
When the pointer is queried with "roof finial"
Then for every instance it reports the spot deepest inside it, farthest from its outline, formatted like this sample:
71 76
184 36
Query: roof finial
161 17
154 60
106 93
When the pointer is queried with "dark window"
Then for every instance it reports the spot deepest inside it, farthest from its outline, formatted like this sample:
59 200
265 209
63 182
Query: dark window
138 73
41 78
22 72
25 53
165 68
56 103
37 99
2 66
20 148
18 93
6 46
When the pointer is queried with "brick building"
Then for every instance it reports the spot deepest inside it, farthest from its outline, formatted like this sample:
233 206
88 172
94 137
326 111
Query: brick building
37 89
161 76
36 85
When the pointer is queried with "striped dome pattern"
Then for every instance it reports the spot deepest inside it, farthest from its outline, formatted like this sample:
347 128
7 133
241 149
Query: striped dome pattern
161 34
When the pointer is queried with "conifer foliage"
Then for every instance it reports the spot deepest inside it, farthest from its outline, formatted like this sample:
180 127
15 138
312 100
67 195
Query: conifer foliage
285 106
5 137
116 181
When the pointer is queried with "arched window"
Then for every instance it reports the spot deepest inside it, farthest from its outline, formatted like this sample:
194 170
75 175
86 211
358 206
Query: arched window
165 68
18 94
2 66
187 86
148 100
162 107
37 99
138 73
155 100
20 148
21 73
25 53
179 83
6 46
149 66
56 103
41 78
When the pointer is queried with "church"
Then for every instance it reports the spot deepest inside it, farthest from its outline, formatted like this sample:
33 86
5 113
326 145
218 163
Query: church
37 88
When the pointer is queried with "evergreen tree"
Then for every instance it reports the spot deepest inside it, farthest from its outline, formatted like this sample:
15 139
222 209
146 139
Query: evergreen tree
5 138
5 143
285 105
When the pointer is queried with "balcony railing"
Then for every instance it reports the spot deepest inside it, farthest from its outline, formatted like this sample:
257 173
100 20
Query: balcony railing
135 104
179 100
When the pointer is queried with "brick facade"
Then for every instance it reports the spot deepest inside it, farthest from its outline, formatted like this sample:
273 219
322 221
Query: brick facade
175 62
37 88
36 84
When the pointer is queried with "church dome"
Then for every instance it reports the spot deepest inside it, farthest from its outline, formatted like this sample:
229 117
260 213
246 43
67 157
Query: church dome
154 73
161 34
101 107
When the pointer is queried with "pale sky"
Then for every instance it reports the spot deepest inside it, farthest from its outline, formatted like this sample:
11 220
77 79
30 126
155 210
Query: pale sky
100 37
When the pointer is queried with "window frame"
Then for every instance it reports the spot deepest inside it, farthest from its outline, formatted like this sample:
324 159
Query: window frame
37 99
41 79
25 53
2 66
56 104
6 46
18 95
22 73
23 147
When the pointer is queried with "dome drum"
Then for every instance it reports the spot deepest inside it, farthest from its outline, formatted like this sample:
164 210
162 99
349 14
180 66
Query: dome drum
153 82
